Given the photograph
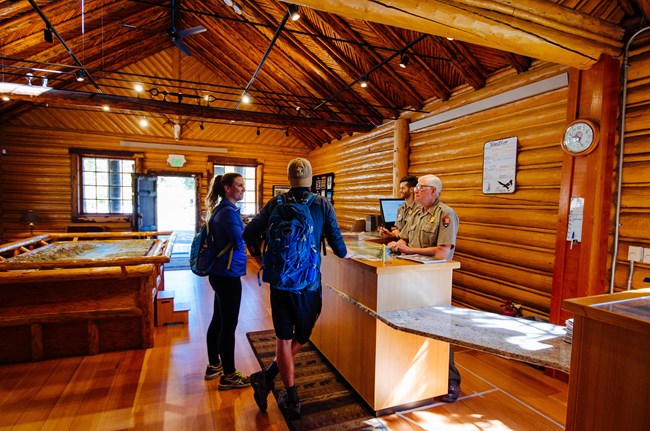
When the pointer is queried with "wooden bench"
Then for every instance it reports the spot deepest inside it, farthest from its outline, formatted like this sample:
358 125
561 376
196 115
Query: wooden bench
529 341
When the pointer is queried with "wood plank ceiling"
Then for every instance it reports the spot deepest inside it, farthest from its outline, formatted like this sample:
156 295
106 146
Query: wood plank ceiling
302 75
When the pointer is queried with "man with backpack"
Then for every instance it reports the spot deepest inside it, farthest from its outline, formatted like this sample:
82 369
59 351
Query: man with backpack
293 226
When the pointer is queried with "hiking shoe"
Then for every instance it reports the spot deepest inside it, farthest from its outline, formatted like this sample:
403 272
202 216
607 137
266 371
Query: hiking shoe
235 380
213 371
452 393
290 410
260 389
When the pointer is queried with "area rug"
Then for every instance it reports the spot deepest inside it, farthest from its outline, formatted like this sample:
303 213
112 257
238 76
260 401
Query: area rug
178 262
328 403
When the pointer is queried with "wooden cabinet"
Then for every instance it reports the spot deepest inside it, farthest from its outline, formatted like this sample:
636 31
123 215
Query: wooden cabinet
610 362
389 369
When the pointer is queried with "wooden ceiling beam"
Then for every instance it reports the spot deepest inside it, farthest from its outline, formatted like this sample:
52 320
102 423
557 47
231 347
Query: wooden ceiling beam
288 50
434 81
402 88
518 62
71 98
462 61
346 65
330 84
539 29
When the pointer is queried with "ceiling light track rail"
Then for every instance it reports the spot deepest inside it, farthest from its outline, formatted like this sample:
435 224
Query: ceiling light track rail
161 107
51 28
364 77
189 89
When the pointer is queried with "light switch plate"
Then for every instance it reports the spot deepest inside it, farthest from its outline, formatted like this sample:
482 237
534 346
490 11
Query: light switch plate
635 254
646 255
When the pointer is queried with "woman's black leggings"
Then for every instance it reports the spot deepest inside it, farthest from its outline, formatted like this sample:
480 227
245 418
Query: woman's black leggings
221 332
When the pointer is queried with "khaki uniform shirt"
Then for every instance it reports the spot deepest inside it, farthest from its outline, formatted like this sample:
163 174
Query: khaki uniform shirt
405 213
437 226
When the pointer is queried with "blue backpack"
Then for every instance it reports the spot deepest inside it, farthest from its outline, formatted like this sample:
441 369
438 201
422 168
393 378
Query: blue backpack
203 256
291 253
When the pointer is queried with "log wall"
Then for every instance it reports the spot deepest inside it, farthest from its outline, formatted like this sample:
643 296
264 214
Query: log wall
506 242
35 173
635 196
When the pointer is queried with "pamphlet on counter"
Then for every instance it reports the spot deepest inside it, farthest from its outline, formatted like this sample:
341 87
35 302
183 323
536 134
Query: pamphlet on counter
421 258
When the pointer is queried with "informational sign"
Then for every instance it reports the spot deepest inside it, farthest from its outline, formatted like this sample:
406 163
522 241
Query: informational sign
500 166
576 212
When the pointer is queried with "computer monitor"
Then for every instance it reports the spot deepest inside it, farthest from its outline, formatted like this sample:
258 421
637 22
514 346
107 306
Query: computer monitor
388 209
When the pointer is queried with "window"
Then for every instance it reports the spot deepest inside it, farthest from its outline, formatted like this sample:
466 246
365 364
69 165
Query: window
105 185
248 205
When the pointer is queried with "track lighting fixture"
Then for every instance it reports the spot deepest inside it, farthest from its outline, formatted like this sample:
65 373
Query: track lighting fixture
30 76
5 98
237 8
258 131
363 82
201 126
286 132
293 12
404 61
47 35
143 122
80 75
106 108
228 2
245 98
138 88
44 82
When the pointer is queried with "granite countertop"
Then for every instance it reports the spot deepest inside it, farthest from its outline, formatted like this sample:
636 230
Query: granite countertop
529 341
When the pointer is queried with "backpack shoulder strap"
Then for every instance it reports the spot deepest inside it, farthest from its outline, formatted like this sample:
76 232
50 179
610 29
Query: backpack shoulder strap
311 198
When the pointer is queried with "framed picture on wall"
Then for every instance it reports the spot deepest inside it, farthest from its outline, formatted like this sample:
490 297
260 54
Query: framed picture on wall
278 190
323 185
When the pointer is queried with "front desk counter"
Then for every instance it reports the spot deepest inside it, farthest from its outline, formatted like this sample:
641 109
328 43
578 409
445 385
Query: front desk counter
391 370
610 362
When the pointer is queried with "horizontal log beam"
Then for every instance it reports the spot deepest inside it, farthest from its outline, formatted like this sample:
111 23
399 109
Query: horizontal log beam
535 28
149 106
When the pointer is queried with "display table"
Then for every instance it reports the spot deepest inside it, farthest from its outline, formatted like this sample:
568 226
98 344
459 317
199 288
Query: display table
78 294
610 362
389 369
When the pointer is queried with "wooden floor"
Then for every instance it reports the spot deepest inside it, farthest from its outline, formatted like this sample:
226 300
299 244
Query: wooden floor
163 388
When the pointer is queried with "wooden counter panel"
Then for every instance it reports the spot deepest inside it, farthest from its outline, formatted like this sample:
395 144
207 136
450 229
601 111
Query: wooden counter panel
408 368
347 338
352 278
608 384
413 289
389 369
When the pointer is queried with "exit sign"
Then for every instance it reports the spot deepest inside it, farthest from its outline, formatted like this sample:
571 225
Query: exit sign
176 160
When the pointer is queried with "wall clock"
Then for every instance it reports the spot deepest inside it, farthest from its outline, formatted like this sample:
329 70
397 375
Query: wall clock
580 137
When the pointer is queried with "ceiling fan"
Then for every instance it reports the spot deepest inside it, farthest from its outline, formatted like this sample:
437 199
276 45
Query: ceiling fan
174 35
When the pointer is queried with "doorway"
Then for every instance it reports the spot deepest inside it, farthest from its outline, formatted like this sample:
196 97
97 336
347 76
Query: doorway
176 210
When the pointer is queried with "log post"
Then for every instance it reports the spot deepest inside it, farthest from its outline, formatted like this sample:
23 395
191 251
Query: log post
400 152
581 268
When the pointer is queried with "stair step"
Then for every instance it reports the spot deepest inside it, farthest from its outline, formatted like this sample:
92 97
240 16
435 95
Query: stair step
165 294
181 306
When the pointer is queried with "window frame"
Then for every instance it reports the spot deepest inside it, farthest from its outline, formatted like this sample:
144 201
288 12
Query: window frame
76 168
244 162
